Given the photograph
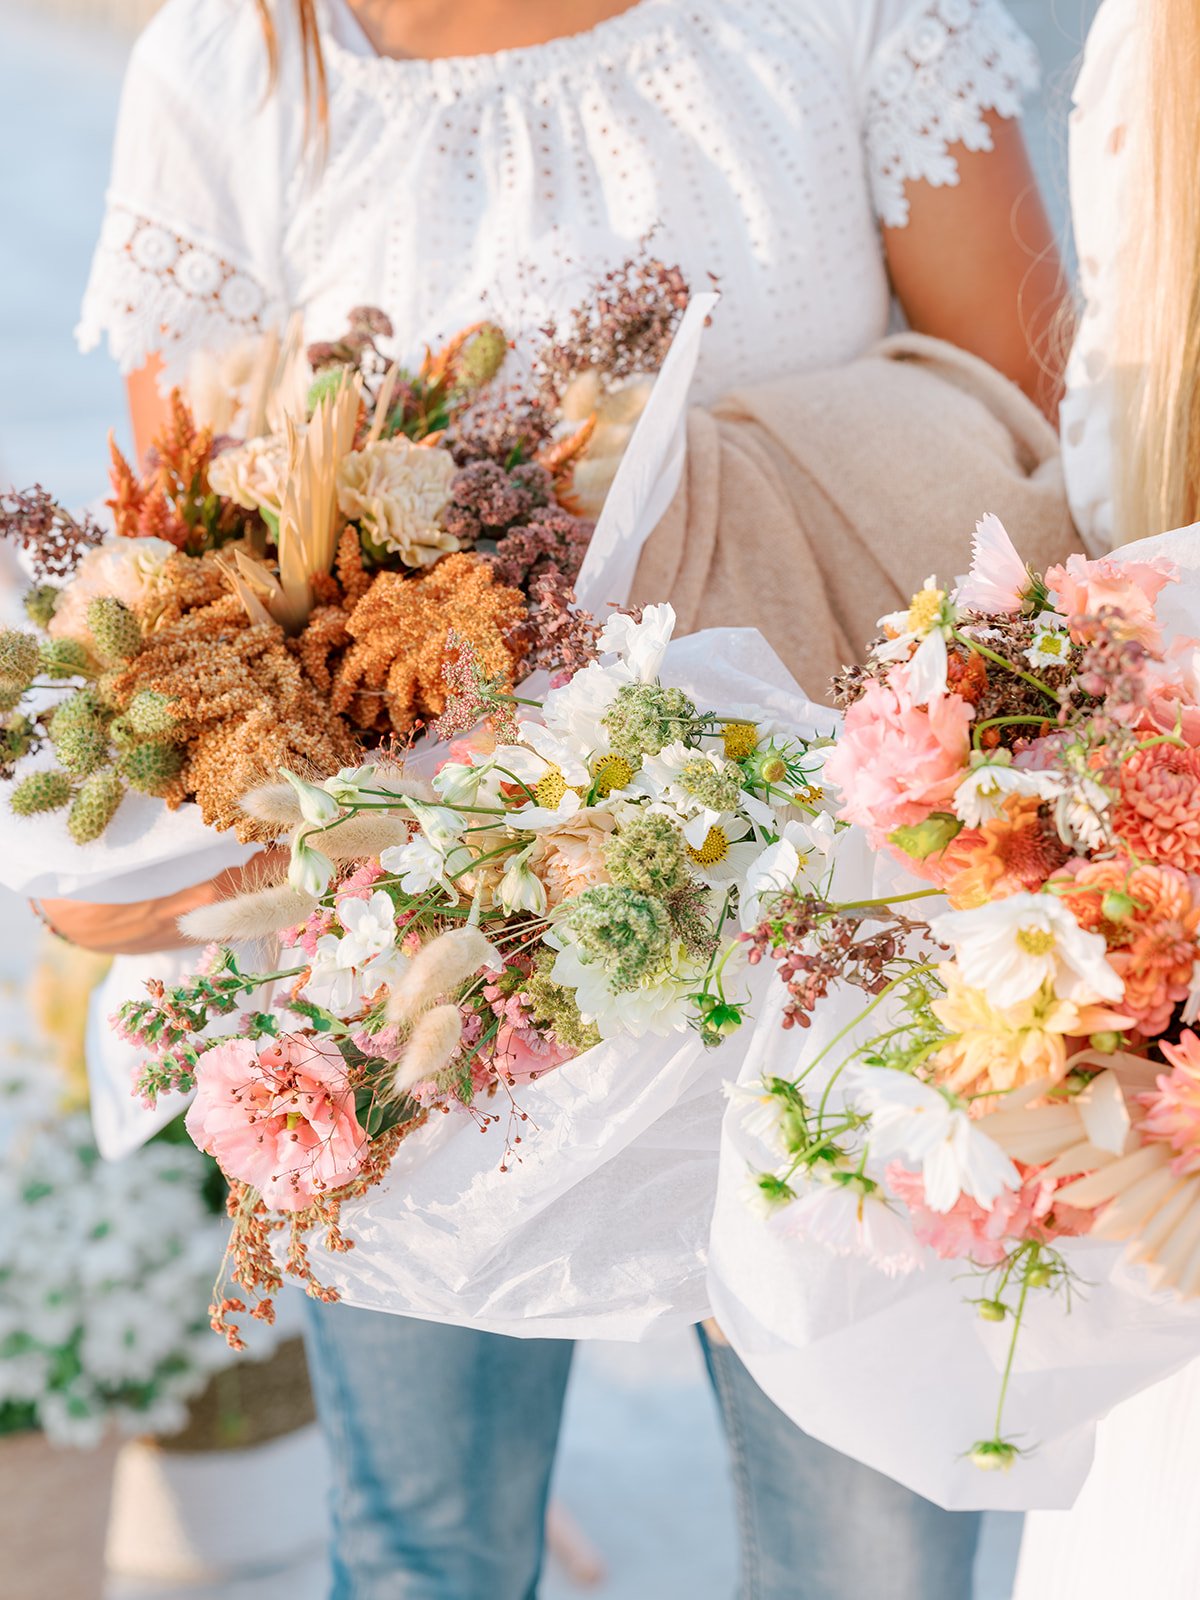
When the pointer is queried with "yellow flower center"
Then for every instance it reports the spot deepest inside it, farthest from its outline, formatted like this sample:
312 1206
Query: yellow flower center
551 789
611 772
715 848
924 609
810 794
739 739
1036 941
1052 644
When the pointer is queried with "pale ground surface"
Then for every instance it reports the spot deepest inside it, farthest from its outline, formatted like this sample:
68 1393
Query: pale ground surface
642 1466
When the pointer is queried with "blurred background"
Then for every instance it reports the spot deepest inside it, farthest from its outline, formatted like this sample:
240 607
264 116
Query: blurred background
643 1499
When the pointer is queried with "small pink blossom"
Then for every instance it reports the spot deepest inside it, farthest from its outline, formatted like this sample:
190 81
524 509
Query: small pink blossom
305 936
998 580
896 762
969 1233
360 883
279 1115
1083 588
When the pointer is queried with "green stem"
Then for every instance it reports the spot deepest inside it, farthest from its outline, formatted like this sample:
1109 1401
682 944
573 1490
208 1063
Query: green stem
1018 1315
991 655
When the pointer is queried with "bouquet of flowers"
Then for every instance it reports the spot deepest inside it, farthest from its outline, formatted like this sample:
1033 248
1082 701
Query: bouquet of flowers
1015 901
575 875
280 598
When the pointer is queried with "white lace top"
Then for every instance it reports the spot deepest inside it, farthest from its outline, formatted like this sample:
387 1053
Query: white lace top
765 138
1099 157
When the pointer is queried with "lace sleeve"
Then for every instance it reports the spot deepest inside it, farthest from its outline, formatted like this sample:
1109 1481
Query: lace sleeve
928 87
154 291
188 257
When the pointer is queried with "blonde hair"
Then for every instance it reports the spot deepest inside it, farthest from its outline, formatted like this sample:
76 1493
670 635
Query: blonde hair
1157 346
316 90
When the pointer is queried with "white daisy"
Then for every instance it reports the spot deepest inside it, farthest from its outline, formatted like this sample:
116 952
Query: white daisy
925 624
1011 947
1051 643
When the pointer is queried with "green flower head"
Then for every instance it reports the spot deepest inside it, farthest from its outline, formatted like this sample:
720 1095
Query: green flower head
625 932
645 718
648 855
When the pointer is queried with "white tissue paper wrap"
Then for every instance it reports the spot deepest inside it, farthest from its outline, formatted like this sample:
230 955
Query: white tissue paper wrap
901 1372
600 1229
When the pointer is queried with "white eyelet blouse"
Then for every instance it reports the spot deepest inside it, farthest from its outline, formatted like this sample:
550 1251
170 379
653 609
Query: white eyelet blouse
764 139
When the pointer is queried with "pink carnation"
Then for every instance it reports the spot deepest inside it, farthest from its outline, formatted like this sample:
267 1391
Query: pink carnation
1082 588
896 762
969 1233
278 1115
1174 1106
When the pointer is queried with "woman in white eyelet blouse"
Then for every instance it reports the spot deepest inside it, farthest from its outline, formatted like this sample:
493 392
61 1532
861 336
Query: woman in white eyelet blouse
811 155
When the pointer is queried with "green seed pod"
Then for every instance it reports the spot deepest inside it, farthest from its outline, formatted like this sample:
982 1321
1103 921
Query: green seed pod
149 715
481 357
95 806
151 768
20 657
40 791
81 749
79 710
63 658
41 602
117 632
993 1310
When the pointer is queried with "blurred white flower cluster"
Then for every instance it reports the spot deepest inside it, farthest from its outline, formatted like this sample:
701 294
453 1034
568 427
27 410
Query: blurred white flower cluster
106 1271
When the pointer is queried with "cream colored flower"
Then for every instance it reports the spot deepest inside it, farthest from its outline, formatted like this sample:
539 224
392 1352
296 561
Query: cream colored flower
397 492
570 858
129 570
252 474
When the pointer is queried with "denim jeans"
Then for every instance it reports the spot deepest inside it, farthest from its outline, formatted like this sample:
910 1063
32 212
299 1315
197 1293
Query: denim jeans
442 1442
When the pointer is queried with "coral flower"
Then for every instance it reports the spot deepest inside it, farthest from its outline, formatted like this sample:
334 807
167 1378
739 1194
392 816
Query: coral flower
969 1233
279 1115
1000 1048
1158 814
1174 1108
1005 855
1082 588
1153 942
897 761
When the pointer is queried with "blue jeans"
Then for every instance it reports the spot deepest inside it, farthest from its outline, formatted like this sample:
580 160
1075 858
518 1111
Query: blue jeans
442 1442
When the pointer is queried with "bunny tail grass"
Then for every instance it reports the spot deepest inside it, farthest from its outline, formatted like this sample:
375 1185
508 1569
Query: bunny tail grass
255 915
439 967
273 802
367 834
433 1041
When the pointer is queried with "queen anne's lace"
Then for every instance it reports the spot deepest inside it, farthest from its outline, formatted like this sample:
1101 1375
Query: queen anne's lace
156 292
929 90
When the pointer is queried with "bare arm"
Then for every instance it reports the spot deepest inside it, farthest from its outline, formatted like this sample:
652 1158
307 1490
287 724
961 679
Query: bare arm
147 409
978 265
146 926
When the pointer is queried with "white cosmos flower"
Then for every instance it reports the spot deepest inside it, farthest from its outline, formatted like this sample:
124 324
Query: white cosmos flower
1011 947
759 1112
536 819
998 580
798 856
733 854
850 1217
641 645
541 749
658 1006
925 623
660 777
982 793
915 1121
